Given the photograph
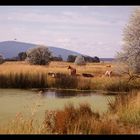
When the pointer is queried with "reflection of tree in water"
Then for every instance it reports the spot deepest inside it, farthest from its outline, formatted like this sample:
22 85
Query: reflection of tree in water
65 93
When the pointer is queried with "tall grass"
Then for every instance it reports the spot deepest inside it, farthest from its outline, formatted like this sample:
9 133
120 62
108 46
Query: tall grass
122 118
66 81
116 84
129 109
21 80
68 120
22 75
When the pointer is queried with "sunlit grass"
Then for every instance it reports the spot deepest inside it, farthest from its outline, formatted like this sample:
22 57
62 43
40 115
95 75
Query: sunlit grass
23 75
130 113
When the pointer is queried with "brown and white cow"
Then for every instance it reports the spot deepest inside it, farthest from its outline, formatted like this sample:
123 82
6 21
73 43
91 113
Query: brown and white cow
72 71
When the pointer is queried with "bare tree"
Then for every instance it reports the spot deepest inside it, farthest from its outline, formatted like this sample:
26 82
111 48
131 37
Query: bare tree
130 54
80 60
38 56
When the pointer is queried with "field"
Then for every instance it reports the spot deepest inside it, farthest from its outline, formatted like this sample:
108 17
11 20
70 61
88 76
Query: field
23 75
21 66
123 116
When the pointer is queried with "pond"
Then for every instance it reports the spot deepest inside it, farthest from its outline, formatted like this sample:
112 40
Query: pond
13 101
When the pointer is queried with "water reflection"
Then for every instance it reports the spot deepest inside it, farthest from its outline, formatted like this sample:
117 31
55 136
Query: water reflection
16 100
65 93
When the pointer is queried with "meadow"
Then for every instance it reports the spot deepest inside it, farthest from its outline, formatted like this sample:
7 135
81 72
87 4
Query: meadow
22 75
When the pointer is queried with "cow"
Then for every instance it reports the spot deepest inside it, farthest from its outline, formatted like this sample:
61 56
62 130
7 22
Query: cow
108 73
72 71
108 66
87 75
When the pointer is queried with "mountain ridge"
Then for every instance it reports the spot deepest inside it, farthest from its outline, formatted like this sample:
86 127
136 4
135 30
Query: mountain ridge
10 49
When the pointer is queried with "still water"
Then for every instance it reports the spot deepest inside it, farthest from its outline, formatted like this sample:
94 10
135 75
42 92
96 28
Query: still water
28 102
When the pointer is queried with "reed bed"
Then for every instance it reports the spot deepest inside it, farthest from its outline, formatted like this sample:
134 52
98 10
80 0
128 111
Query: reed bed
23 75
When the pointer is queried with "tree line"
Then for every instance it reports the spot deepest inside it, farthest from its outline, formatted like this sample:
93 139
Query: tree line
71 58
41 55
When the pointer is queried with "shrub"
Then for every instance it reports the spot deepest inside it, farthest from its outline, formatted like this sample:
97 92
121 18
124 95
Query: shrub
1 59
22 56
71 58
38 56
80 60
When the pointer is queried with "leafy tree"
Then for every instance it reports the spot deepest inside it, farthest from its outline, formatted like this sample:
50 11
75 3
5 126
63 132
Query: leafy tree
1 59
91 59
59 58
130 53
22 56
71 58
80 60
96 59
38 56
88 59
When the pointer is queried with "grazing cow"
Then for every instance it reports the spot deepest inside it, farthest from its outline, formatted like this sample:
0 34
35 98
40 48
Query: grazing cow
108 73
108 66
52 74
78 74
55 75
72 71
87 75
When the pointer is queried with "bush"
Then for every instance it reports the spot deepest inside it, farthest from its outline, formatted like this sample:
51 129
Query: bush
70 119
55 58
71 58
38 56
92 59
22 56
1 59
80 60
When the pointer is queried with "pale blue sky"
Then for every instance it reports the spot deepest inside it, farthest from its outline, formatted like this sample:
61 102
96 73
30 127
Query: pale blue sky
91 30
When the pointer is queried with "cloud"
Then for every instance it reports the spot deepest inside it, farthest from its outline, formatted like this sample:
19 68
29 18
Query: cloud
63 40
87 31
66 17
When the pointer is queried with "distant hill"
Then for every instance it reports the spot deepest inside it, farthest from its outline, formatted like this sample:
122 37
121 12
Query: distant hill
107 59
11 49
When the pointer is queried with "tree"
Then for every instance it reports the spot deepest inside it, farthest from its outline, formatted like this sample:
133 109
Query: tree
96 59
88 59
91 59
38 56
59 58
80 60
71 58
130 54
22 56
1 59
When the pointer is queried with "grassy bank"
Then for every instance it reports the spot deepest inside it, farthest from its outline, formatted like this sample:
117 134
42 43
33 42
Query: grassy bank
122 118
22 75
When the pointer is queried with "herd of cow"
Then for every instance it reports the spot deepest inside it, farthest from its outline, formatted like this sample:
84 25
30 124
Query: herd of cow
73 72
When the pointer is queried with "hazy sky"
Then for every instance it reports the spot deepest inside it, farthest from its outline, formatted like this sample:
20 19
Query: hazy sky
91 30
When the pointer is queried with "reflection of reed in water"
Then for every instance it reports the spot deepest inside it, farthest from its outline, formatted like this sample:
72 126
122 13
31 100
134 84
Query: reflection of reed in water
64 93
